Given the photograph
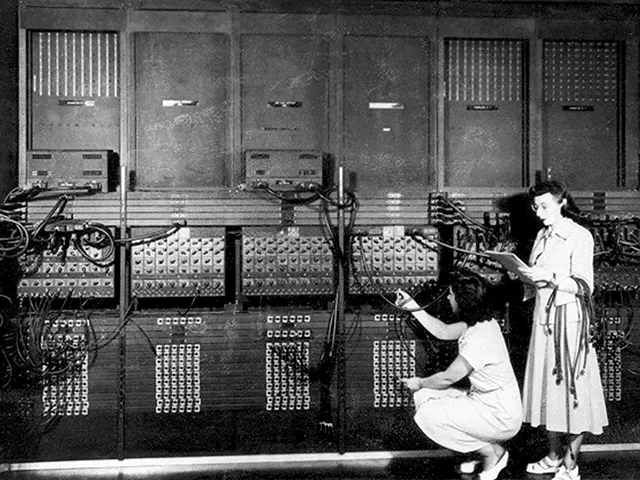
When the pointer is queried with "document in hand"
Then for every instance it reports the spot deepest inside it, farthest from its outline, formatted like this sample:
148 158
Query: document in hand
511 262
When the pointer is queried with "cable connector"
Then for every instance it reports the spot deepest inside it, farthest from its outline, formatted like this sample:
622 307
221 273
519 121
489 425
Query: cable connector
309 186
180 223
260 184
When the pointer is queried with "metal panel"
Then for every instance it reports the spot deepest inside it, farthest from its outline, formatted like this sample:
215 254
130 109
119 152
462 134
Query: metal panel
386 113
485 113
380 350
74 90
582 113
110 16
181 109
242 380
284 92
179 21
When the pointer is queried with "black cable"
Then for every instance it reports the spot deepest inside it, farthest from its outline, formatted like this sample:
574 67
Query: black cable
193 301
13 246
154 236
147 338
127 318
105 242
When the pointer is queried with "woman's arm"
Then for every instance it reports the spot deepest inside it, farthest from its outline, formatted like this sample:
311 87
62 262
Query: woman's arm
459 369
581 263
436 327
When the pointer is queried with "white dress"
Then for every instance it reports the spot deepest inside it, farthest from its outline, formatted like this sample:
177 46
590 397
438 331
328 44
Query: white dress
566 251
490 412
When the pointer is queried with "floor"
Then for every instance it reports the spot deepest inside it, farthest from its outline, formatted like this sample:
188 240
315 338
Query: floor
616 465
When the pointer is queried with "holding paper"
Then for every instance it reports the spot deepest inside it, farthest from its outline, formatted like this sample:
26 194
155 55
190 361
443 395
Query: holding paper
512 263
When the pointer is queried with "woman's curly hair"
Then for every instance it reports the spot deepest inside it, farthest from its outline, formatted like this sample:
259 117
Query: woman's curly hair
472 296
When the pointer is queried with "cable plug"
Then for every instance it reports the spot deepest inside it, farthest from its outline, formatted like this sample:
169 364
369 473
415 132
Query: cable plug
308 186
180 223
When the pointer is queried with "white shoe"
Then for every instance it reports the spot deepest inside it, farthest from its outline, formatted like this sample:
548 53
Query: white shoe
544 465
468 468
493 473
564 474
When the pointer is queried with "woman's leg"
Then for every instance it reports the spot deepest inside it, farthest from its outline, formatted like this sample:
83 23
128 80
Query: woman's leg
494 460
574 442
556 445
490 455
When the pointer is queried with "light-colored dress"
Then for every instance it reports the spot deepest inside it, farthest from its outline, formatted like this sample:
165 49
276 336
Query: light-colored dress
567 250
490 412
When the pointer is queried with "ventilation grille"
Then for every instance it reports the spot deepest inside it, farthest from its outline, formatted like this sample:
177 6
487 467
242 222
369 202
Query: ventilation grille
581 71
484 70
75 64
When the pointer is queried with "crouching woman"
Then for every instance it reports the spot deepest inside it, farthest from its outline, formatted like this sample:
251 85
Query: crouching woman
479 419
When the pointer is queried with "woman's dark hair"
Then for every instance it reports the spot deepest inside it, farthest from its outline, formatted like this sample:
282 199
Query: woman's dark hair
555 188
471 292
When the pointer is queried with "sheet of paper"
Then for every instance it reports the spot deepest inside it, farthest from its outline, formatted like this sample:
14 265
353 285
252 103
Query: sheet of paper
511 262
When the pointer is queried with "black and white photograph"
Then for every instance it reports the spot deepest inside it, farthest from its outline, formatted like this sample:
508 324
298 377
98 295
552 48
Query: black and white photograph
320 240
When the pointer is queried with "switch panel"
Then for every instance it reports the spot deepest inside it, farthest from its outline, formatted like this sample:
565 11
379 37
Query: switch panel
71 274
293 261
387 258
189 263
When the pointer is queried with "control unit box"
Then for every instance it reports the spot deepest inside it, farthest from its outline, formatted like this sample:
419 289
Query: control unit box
284 169
60 169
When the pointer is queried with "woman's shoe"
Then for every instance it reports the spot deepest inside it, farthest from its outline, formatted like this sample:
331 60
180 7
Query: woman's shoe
467 468
564 474
493 473
544 465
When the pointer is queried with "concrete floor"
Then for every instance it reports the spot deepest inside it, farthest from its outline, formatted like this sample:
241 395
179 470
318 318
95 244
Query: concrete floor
612 465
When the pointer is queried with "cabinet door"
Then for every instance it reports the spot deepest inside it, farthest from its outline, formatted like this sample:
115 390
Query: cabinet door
181 110
485 112
74 91
386 112
582 114
284 92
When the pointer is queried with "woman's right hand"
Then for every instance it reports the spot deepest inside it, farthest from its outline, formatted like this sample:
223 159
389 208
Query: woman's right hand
538 276
412 383
402 298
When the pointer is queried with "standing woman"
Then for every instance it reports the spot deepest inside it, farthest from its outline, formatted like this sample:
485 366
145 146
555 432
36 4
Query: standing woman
562 389
476 420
